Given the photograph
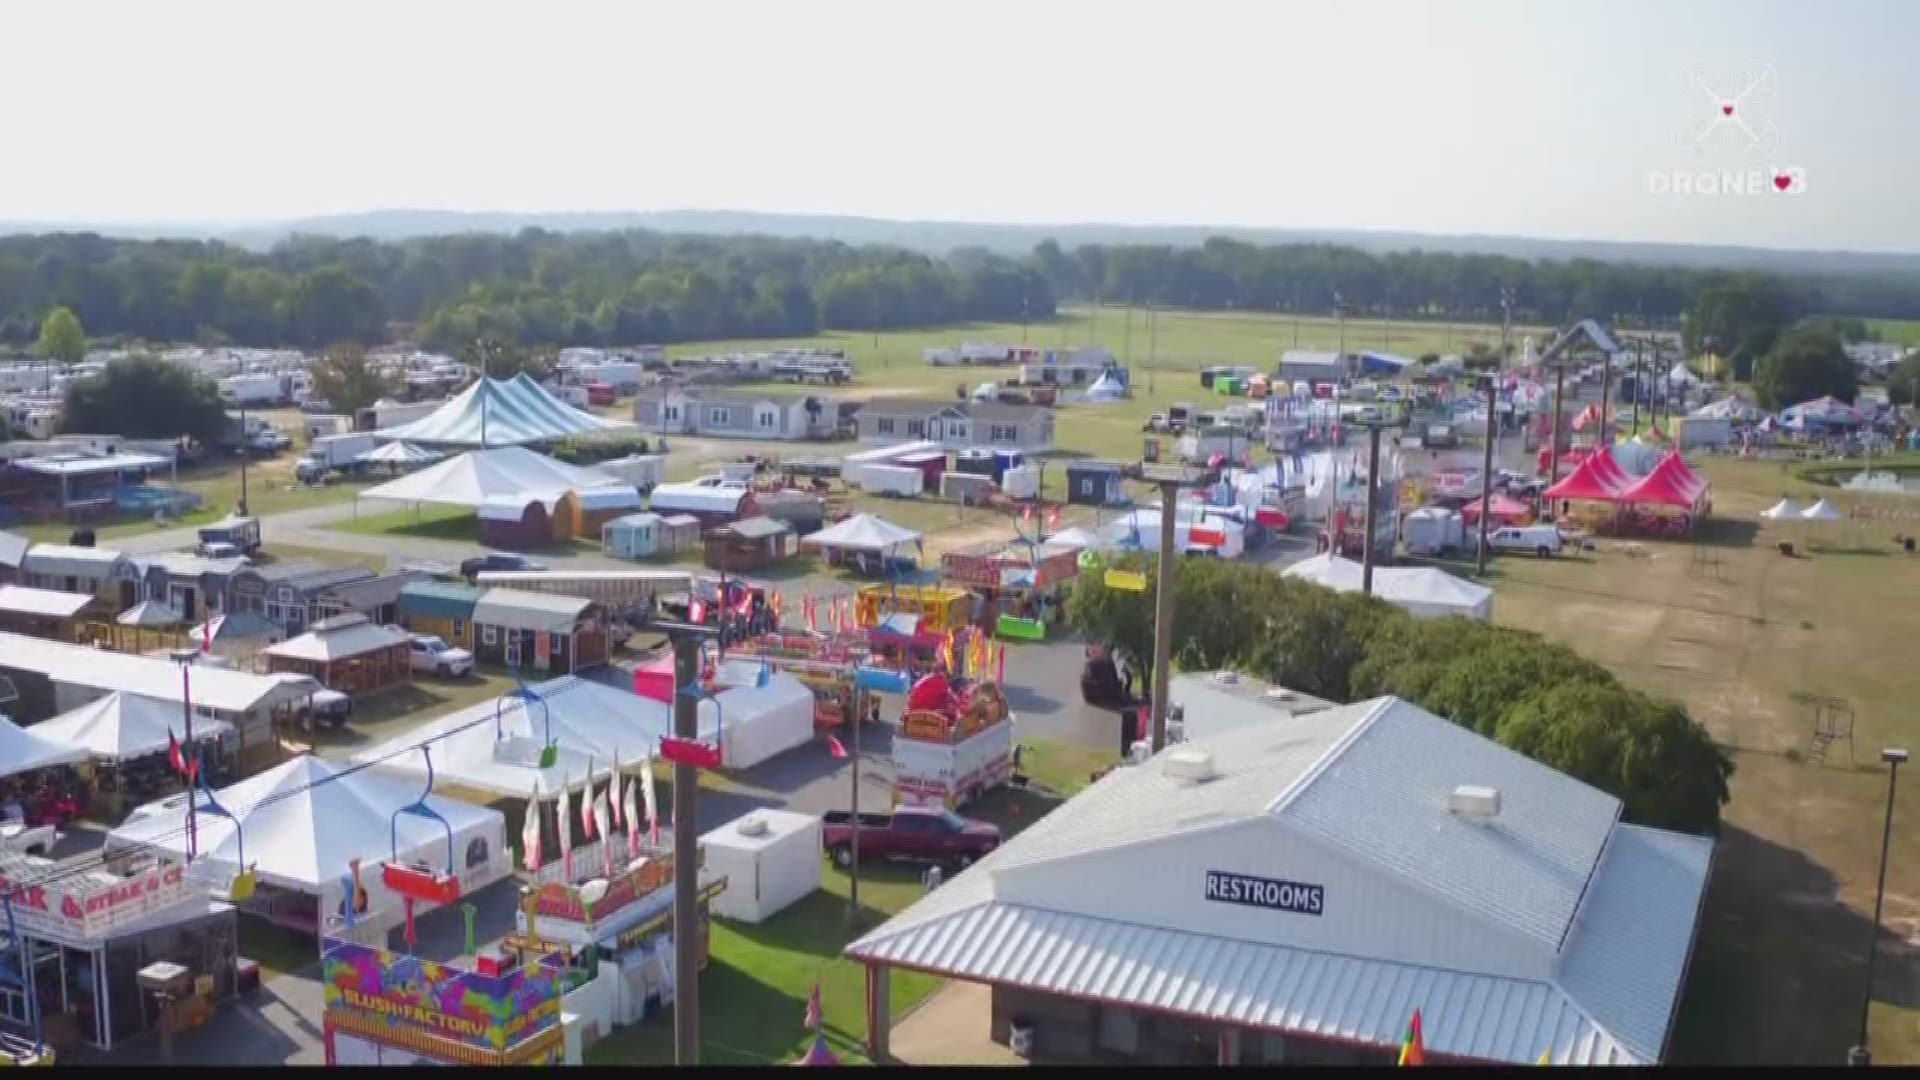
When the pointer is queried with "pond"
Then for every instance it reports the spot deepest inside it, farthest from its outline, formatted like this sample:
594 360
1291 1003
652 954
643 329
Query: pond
1883 482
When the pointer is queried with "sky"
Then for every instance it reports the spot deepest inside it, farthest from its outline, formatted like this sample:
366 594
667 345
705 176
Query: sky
1574 119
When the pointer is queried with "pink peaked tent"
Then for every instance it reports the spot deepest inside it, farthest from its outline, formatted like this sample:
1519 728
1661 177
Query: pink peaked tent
1586 483
1505 510
1670 483
1610 473
655 679
1588 417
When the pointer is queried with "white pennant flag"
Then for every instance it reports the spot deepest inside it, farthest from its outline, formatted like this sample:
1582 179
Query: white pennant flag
614 787
589 828
606 838
565 810
530 834
633 825
646 791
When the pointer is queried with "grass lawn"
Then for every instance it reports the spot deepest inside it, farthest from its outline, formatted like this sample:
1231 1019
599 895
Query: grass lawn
1902 331
329 556
1740 634
279 951
270 490
382 716
1060 766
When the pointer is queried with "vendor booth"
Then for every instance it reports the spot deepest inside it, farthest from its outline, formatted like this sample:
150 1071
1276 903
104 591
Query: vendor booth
128 739
1011 578
863 542
302 824
87 936
940 608
348 653
38 782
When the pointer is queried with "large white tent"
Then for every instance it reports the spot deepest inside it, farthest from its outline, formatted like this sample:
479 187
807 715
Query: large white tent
400 454
502 412
303 822
24 751
863 532
479 475
122 727
1784 510
1420 591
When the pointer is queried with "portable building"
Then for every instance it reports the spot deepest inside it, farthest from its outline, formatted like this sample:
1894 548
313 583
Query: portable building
932 465
771 860
751 544
541 631
441 608
515 523
640 536
1095 483
899 480
1021 483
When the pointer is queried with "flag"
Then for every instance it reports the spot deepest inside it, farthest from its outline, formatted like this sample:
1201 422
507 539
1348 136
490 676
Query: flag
174 757
774 605
813 1009
834 747
633 820
530 832
697 612
1000 664
1053 517
588 826
206 635
653 806
564 808
606 838
1026 511
806 605
1413 1051
614 786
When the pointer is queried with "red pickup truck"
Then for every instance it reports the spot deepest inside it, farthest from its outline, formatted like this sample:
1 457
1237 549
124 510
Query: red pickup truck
912 834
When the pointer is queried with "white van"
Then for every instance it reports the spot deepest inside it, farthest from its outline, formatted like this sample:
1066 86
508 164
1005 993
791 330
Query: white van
1541 540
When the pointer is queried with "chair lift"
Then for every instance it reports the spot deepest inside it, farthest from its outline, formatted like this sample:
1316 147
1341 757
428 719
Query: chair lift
693 752
521 692
13 974
240 887
418 881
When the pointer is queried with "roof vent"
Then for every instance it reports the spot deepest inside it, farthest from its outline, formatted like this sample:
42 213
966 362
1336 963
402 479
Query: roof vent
1281 694
1226 678
1189 765
1474 803
753 826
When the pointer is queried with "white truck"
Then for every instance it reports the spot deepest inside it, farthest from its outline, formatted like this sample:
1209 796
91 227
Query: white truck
928 773
332 453
321 425
253 389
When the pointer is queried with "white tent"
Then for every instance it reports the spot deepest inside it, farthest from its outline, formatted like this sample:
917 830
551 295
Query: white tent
1420 591
1782 510
24 751
472 478
1820 511
757 722
863 532
399 453
1076 537
303 822
502 412
122 727
1681 375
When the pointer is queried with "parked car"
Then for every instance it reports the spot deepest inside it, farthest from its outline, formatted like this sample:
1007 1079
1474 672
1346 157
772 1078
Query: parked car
1157 422
1542 540
471 568
329 707
429 653
911 834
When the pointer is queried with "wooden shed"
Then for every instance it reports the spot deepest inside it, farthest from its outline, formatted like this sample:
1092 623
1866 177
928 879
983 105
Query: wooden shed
751 544
348 653
542 631
441 608
506 521
641 536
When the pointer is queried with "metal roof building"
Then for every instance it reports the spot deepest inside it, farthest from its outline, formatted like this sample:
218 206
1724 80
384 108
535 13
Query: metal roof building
1293 891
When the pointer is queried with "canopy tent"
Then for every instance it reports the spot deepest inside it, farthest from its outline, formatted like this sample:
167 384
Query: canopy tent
1819 413
1076 537
400 454
122 727
302 823
863 532
1670 483
150 613
1505 510
1820 511
472 478
1610 472
1732 407
1681 375
1586 418
1587 482
24 751
1421 591
502 412
1785 509
1106 388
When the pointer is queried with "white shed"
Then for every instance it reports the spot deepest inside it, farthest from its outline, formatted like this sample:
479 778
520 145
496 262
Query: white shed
770 858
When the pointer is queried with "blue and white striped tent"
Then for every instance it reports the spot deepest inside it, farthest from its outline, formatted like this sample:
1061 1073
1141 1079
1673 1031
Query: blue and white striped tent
502 412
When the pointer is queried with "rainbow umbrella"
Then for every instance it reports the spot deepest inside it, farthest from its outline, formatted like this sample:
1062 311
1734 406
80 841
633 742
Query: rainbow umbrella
819 1053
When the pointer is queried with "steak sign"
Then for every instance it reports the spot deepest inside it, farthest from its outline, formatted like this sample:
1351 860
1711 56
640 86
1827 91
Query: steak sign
88 906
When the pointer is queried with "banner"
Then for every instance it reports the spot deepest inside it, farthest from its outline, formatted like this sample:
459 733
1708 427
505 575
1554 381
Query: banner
87 908
399 999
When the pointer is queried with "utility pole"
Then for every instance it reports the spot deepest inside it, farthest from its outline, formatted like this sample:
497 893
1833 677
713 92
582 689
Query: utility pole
1606 398
1553 447
1506 326
1374 425
1860 1054
185 657
246 451
1340 319
1170 479
1486 475
687 639
1026 312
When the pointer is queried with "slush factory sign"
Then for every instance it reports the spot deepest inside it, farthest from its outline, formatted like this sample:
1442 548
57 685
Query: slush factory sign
1228 888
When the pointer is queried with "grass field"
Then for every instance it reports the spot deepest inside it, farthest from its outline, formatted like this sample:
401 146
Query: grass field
1741 634
270 490
1903 331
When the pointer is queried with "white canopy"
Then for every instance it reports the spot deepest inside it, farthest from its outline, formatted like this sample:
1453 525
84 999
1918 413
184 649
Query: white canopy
1681 375
863 532
472 478
1820 511
400 453
303 822
1421 591
1075 537
1785 508
122 727
502 412
24 751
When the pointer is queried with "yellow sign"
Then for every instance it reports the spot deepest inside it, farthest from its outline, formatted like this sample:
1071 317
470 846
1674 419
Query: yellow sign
1127 580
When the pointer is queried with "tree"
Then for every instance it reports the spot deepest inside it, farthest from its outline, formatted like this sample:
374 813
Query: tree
144 397
348 381
1807 363
333 304
61 337
1903 382
1119 620
1739 319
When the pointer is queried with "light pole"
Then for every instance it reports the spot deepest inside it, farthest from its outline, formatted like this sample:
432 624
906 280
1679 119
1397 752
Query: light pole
1553 446
1894 756
246 451
184 657
1486 476
1170 479
1374 424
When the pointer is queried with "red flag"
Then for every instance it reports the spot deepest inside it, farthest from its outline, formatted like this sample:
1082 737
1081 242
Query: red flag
697 612
1026 512
174 757
813 1009
206 635
1000 665
812 625
773 604
834 747
1053 517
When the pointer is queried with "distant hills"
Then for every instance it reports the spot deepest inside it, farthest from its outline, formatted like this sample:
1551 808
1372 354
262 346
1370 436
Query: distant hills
940 237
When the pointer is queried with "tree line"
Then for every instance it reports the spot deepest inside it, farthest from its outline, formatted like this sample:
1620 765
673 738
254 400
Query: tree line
533 289
1531 695
539 288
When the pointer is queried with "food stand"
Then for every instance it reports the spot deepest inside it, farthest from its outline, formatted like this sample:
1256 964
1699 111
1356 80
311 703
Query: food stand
86 937
391 1008
939 608
955 742
1012 578
618 927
